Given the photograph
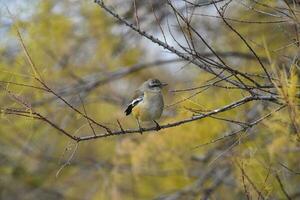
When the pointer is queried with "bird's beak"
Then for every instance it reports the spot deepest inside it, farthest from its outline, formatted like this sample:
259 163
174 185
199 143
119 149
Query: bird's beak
164 84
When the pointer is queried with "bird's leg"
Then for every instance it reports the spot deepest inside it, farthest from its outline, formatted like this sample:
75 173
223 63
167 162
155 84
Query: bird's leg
138 122
157 125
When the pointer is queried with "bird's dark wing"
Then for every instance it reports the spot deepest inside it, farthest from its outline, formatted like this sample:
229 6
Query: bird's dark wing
134 102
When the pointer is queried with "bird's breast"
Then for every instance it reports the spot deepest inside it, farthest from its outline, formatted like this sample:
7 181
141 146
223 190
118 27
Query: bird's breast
150 108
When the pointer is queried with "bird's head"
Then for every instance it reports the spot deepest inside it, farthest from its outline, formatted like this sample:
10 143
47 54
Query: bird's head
153 85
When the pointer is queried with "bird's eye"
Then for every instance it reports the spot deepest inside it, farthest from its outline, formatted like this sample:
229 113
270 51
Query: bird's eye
154 83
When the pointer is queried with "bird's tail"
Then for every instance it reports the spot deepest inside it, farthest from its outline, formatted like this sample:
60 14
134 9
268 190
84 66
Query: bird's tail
128 109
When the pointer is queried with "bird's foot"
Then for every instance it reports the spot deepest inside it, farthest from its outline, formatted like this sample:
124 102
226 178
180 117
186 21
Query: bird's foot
157 128
141 130
139 125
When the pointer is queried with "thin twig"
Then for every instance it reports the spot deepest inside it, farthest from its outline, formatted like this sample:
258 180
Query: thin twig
244 184
73 108
282 187
254 123
136 14
90 124
120 126
68 162
245 42
164 45
250 181
289 169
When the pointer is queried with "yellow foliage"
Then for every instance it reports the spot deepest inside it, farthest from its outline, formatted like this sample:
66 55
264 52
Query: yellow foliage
70 52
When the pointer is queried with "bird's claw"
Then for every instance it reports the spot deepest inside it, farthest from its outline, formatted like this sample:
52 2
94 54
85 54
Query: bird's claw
157 128
141 130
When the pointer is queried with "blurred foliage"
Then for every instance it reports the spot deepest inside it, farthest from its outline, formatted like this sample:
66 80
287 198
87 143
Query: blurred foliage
73 43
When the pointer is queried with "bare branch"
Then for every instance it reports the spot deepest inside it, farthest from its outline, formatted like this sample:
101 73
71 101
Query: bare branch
245 42
194 118
166 46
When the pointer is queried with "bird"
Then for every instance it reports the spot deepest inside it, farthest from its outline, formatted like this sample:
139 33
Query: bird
147 104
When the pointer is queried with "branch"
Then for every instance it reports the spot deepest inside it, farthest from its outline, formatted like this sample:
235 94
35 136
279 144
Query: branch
194 118
250 125
36 115
88 86
244 40
72 107
184 56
